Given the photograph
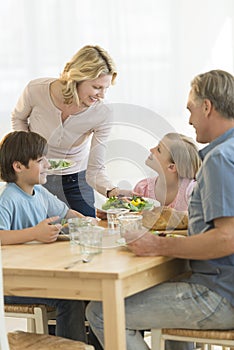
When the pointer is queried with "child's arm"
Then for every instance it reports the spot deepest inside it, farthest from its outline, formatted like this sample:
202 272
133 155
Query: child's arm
73 213
43 232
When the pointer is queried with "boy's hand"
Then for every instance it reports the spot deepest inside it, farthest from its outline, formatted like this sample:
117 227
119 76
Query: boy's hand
47 232
94 221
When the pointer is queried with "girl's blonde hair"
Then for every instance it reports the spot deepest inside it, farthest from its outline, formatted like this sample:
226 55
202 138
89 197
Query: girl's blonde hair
184 154
87 64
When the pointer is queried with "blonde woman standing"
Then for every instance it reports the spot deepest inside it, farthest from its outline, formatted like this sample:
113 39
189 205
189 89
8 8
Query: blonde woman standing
70 114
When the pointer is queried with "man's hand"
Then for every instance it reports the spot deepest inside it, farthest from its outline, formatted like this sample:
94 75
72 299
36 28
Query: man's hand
143 243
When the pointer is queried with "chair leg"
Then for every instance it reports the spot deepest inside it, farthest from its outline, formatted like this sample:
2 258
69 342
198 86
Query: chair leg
162 343
31 326
212 347
156 339
37 317
41 321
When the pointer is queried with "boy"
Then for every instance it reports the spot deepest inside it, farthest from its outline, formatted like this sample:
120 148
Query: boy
27 211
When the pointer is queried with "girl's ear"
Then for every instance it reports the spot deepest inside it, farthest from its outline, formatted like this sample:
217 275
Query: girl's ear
172 167
17 166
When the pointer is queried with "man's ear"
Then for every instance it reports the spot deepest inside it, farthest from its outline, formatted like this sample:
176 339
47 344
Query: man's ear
17 166
172 167
207 106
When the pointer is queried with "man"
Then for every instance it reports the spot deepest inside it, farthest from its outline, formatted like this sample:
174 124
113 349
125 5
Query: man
206 299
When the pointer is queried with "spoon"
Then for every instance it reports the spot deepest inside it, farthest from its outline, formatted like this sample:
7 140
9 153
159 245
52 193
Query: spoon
87 258
84 259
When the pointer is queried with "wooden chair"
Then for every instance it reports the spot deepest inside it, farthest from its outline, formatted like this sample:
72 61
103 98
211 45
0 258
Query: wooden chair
224 338
37 315
31 341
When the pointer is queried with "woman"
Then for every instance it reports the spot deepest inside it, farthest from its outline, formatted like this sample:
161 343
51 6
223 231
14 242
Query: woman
70 114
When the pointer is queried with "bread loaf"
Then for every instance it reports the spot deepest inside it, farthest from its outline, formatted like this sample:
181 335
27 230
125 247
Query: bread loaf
163 218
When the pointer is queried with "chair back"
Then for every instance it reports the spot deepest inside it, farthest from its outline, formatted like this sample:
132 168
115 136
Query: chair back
4 345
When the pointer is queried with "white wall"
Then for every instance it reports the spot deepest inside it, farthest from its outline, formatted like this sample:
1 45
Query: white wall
158 45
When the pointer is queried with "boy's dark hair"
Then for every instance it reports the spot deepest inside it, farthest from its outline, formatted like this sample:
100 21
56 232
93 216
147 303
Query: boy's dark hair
21 146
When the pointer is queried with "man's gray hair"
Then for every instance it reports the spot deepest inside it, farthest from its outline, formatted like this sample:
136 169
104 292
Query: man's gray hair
218 87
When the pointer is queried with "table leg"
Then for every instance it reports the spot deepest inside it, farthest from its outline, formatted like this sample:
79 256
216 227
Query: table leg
114 315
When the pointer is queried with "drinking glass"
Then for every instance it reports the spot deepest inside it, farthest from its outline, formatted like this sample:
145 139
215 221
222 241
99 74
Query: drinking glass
112 219
130 222
90 238
74 224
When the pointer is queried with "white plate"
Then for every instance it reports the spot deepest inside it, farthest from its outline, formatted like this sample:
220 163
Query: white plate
100 200
59 168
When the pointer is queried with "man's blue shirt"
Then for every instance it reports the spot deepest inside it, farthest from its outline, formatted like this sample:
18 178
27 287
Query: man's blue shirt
213 197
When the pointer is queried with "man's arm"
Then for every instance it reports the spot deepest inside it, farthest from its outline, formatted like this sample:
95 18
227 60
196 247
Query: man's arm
215 243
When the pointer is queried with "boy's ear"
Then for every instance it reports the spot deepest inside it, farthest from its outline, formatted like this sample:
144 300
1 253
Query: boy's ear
172 167
17 166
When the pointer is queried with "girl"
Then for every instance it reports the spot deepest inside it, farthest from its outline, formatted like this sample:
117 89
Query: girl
176 161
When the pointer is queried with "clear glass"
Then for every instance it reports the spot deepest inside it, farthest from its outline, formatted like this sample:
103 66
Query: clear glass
112 219
74 224
130 222
90 238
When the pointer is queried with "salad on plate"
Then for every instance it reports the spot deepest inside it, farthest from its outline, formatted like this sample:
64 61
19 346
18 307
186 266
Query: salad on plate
60 164
133 204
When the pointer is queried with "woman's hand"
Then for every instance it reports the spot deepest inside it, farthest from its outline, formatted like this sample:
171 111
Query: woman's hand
126 193
118 192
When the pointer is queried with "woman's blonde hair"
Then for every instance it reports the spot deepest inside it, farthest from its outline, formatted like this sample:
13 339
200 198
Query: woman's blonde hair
184 154
87 64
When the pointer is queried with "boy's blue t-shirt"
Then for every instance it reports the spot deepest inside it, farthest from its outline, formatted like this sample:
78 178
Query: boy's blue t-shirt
19 210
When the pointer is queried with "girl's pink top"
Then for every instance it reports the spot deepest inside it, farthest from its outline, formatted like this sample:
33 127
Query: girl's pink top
146 188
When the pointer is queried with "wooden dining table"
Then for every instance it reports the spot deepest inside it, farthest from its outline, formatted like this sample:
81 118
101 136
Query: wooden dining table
38 270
